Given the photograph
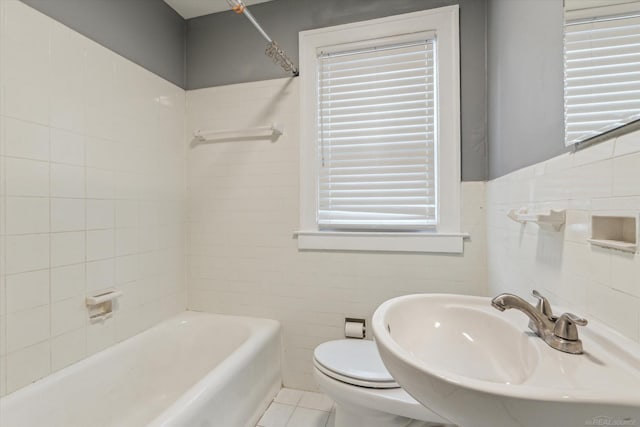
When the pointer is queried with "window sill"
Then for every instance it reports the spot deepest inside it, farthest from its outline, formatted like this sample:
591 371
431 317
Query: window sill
451 243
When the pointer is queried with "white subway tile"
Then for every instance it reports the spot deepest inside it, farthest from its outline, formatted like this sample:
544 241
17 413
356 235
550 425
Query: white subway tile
68 348
28 365
596 282
67 248
3 298
127 269
100 214
614 308
128 158
25 177
128 186
630 203
3 186
67 147
27 290
98 91
578 226
26 215
68 314
100 335
126 241
595 153
60 79
3 374
27 327
626 175
26 253
100 275
589 181
67 64
26 63
67 181
100 244
128 322
67 214
3 335
627 144
100 153
148 238
555 164
67 281
27 140
599 265
100 184
625 273
126 213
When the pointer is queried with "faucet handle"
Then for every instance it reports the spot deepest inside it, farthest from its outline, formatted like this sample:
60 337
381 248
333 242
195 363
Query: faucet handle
543 306
566 326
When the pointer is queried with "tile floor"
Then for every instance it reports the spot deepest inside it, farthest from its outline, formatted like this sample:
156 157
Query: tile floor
297 408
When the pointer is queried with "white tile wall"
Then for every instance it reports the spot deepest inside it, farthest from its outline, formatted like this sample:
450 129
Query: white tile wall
91 150
243 211
594 282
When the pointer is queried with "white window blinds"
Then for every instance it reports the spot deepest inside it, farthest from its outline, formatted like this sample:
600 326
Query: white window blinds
377 128
602 74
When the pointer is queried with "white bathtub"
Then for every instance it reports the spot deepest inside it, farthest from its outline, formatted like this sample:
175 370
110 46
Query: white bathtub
193 370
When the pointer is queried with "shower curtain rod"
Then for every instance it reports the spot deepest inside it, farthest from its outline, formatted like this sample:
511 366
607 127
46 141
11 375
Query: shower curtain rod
273 51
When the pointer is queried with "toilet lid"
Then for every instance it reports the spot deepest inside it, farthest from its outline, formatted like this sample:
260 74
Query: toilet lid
355 362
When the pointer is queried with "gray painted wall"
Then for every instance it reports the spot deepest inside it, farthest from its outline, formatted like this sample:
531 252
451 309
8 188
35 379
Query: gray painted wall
523 104
525 80
223 48
148 32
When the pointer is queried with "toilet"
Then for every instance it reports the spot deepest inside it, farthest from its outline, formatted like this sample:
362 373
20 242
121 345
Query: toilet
351 372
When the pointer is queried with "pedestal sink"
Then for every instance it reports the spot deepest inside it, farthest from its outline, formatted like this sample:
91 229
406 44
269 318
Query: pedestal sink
479 367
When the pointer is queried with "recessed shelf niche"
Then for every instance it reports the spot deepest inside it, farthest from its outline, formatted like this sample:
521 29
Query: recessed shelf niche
615 232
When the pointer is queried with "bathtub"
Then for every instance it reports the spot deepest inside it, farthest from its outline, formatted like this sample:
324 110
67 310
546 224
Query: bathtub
193 370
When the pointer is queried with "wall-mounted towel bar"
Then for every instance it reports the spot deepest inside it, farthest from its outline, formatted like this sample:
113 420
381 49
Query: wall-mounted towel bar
549 220
272 131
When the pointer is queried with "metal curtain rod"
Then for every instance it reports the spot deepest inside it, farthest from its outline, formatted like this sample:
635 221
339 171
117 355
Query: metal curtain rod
273 51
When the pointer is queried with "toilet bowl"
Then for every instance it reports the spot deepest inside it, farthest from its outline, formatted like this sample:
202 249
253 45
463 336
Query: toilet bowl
366 395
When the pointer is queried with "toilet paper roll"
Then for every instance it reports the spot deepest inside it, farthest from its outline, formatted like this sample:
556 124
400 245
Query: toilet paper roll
353 330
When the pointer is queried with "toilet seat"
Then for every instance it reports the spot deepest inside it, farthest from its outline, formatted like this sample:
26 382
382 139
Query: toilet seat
351 373
355 362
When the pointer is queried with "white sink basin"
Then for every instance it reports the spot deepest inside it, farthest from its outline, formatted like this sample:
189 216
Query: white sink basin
479 367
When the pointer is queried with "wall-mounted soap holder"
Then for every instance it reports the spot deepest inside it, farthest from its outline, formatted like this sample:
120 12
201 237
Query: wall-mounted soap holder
618 232
548 220
101 306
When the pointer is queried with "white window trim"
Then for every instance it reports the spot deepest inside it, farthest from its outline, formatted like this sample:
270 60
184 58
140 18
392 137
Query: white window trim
447 236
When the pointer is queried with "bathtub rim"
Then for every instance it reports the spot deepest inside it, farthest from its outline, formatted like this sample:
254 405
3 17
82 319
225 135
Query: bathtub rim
271 328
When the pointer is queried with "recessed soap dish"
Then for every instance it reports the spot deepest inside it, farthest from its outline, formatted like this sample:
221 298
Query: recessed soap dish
101 306
615 232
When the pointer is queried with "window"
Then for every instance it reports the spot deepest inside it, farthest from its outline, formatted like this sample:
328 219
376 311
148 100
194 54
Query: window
380 140
602 73
376 121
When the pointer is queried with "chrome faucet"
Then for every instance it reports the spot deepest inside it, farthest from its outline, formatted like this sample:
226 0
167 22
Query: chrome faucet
561 333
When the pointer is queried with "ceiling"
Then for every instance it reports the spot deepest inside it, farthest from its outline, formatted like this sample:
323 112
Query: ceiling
192 8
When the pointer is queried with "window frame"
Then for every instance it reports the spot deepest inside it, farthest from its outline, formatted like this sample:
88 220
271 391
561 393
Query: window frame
446 235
